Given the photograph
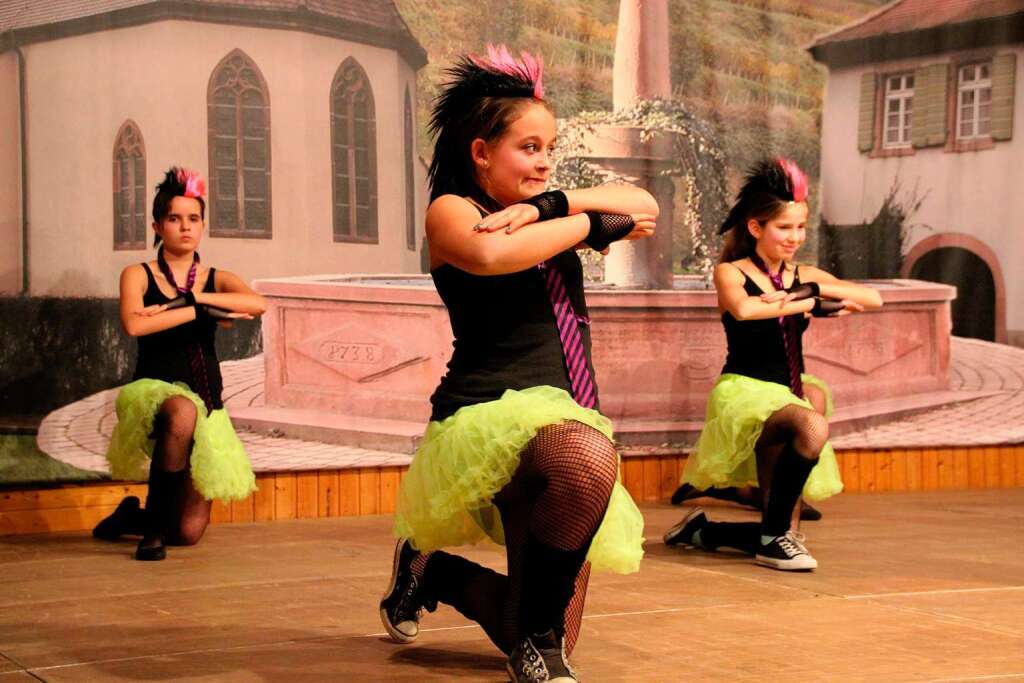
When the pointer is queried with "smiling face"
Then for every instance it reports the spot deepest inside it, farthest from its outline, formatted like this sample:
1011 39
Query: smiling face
182 228
518 164
779 238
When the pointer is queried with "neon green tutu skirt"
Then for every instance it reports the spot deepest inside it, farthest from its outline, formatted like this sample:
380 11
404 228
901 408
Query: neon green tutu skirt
465 459
737 408
219 465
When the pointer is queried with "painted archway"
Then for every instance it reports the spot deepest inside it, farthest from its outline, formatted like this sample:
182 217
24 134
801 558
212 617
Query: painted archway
934 255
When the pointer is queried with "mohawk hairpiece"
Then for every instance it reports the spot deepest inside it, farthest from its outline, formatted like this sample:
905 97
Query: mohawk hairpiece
471 80
779 177
528 68
797 179
191 182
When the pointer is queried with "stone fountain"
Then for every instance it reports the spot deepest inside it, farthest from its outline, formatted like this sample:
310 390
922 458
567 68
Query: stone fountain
353 359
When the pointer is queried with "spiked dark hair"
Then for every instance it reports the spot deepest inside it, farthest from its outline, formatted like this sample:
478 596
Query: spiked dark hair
770 185
480 100
177 182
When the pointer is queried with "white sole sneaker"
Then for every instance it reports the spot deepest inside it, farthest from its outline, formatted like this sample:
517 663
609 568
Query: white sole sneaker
800 563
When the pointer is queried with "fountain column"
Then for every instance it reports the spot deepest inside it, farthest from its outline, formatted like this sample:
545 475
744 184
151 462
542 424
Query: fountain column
641 72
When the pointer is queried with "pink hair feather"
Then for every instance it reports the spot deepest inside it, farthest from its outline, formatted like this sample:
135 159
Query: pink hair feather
194 185
797 179
527 67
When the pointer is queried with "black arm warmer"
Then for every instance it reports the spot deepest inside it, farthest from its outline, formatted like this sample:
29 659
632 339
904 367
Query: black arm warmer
182 301
552 204
212 312
805 290
606 228
826 308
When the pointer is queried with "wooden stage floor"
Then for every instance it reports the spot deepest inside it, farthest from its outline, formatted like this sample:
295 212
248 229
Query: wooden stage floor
912 587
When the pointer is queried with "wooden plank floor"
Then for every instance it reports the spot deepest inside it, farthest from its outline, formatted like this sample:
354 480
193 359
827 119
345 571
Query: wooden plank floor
924 586
373 490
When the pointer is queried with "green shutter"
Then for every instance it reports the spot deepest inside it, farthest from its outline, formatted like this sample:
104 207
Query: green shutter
866 118
1003 68
928 120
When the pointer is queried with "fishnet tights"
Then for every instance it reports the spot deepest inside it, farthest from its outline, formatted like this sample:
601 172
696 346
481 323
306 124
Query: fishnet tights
556 498
173 505
805 430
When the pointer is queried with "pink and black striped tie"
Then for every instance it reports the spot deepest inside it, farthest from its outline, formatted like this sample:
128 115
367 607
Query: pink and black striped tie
790 334
580 379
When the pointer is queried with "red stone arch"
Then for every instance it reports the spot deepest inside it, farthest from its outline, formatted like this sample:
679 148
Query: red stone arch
976 247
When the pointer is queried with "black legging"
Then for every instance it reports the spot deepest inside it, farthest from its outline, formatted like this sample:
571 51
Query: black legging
797 434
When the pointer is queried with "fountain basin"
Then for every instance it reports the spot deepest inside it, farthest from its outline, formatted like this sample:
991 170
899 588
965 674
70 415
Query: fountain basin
354 359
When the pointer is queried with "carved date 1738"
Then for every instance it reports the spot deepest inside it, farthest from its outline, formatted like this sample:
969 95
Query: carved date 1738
350 352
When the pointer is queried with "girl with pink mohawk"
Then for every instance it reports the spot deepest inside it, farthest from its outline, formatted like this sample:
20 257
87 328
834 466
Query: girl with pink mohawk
516 449
172 426
766 422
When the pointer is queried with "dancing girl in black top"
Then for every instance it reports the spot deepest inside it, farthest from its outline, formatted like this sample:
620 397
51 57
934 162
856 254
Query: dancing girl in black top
172 425
766 423
516 448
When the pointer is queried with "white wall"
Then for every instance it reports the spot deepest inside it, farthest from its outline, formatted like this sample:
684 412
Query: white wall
81 89
978 193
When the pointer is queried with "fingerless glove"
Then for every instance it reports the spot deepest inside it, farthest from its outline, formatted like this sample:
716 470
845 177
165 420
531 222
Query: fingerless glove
552 204
826 308
606 228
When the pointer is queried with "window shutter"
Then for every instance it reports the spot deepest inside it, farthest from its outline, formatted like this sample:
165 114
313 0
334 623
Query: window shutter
1003 77
866 118
928 121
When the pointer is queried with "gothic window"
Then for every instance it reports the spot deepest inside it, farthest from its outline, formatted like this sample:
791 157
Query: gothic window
238 111
353 155
129 188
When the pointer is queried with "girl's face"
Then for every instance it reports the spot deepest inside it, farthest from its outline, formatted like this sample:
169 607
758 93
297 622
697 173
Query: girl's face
779 238
518 164
182 227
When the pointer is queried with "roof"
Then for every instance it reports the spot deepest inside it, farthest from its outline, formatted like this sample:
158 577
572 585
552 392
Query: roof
376 22
907 27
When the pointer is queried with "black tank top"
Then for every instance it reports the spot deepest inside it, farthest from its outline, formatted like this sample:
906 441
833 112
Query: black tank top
505 333
165 355
756 347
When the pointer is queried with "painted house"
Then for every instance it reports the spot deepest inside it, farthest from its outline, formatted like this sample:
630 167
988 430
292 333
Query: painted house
299 112
921 94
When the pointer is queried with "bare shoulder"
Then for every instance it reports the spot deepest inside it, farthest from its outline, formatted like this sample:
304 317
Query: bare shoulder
133 273
449 210
728 273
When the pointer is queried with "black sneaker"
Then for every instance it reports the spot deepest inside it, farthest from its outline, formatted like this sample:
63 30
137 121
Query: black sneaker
682 533
786 553
540 659
401 605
